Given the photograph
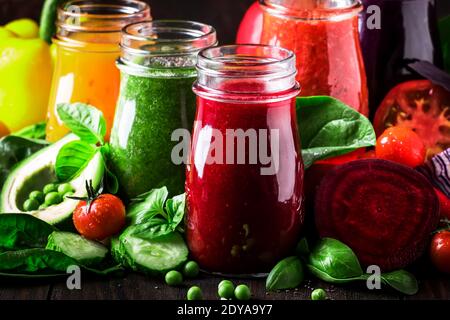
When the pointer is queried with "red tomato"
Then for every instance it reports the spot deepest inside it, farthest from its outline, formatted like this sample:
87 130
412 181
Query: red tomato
105 218
444 203
250 29
420 106
401 145
440 251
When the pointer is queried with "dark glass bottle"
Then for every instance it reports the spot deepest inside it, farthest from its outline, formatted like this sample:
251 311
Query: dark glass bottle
408 31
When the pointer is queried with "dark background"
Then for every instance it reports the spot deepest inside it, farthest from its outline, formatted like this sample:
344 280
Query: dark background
224 15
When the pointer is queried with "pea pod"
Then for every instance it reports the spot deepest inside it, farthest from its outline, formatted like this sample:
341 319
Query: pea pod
287 274
48 16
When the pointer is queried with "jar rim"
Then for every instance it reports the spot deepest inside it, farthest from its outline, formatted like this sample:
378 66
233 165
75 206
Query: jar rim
118 12
199 35
331 12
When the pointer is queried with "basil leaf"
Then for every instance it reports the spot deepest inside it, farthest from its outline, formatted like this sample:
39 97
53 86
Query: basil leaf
35 131
402 281
287 274
175 209
334 259
111 182
21 231
148 205
152 229
86 121
330 128
14 149
72 159
328 278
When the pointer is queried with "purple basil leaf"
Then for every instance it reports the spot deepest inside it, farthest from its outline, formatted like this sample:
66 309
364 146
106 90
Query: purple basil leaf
432 73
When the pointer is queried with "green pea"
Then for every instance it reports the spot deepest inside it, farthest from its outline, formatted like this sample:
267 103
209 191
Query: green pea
174 278
223 282
37 195
51 187
191 269
52 198
68 194
318 294
30 205
43 206
242 292
194 293
226 290
64 188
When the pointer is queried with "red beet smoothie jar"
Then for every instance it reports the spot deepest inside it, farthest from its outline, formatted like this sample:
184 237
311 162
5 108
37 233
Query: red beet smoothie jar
244 181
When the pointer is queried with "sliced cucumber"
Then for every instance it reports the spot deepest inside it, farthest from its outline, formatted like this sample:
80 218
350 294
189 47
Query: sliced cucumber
155 256
85 251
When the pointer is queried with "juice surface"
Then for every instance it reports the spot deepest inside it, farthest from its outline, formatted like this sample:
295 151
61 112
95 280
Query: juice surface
148 111
328 55
239 221
84 74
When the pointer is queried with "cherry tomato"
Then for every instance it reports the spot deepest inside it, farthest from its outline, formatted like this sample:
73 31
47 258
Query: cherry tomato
440 251
250 29
105 217
444 203
401 145
420 106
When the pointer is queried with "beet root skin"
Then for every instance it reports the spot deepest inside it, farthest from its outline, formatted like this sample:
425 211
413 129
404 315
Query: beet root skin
384 211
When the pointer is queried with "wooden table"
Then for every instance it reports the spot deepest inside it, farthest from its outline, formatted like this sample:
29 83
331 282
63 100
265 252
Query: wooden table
139 287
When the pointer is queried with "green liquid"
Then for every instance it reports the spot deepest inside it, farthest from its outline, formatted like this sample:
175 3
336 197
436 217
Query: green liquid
148 111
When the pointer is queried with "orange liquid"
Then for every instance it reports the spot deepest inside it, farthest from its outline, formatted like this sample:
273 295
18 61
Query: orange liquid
86 73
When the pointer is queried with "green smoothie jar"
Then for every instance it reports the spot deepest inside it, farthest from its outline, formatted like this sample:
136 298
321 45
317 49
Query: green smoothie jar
157 67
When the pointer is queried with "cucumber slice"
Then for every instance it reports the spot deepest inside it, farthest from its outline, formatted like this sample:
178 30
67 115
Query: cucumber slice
85 251
155 256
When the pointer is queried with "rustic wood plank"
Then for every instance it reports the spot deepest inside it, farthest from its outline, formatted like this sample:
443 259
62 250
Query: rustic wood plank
21 290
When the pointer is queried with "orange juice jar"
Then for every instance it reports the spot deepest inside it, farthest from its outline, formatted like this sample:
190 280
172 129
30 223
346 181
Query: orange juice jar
87 47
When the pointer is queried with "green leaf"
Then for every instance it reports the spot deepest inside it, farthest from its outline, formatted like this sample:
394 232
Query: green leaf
86 121
14 149
150 230
42 262
287 274
22 231
402 281
328 278
330 128
148 205
175 209
72 159
35 131
335 259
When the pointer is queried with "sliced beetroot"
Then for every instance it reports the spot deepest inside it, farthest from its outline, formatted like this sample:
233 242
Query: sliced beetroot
384 211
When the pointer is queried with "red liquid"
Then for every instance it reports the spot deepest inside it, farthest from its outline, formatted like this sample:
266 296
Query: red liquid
329 58
238 220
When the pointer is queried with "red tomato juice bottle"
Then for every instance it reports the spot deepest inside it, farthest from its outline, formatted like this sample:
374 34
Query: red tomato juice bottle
244 180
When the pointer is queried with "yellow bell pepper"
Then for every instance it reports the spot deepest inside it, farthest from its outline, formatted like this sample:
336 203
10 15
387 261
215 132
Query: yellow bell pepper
25 75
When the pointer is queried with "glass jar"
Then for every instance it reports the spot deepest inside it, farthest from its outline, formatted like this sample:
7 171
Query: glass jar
244 180
324 36
158 69
407 31
87 47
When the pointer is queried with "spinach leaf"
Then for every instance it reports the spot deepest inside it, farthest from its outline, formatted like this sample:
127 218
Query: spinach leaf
72 159
21 231
287 274
42 262
13 150
35 131
335 259
402 281
148 205
86 121
330 128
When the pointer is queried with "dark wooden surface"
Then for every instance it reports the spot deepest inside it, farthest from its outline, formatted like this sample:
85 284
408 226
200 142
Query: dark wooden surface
140 287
